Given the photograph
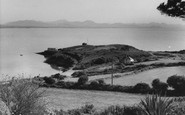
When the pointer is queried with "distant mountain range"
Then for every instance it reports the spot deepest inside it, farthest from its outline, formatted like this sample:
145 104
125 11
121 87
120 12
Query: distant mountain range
84 24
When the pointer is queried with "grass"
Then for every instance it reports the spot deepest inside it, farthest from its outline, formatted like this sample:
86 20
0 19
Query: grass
25 96
148 76
71 99
150 105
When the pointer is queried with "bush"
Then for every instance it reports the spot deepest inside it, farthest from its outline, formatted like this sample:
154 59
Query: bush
120 110
82 80
78 74
159 87
94 85
58 76
68 85
98 61
132 110
49 80
178 83
155 83
22 97
101 82
113 110
79 67
88 109
61 60
142 88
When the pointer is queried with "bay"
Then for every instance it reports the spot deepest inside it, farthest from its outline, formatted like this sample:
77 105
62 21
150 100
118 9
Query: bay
19 45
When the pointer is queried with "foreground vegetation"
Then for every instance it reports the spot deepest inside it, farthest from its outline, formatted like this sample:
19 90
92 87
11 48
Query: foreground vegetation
150 105
23 97
174 87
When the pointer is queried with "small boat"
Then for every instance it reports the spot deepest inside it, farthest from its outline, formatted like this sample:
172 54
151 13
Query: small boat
21 54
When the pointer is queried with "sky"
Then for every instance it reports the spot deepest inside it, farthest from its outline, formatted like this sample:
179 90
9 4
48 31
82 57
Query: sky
102 11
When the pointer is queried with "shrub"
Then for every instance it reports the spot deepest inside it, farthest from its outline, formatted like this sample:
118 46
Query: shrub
94 85
155 83
117 76
120 110
178 83
78 74
61 60
68 85
58 76
98 61
113 110
98 85
101 82
159 87
82 80
22 97
156 105
179 108
79 67
88 109
49 80
142 88
59 112
134 110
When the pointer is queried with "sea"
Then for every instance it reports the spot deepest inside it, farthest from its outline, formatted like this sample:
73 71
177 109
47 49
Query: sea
18 46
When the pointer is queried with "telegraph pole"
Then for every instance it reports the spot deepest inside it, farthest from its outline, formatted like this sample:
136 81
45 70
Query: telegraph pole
112 73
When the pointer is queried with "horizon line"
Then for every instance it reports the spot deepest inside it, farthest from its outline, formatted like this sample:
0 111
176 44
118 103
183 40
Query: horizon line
92 21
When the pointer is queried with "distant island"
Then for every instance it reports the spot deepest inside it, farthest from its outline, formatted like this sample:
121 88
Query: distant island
84 24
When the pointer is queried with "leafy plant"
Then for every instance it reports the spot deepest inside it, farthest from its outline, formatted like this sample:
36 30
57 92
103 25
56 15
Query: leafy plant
156 105
23 97
173 8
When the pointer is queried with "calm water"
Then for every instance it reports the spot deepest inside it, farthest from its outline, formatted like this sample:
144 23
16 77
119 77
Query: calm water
14 42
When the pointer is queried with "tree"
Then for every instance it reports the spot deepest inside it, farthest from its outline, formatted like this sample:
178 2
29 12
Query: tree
142 88
158 86
173 8
178 83
94 84
22 97
49 80
82 80
58 76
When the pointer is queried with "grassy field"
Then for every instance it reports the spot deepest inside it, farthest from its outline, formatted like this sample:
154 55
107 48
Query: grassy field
70 99
148 76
